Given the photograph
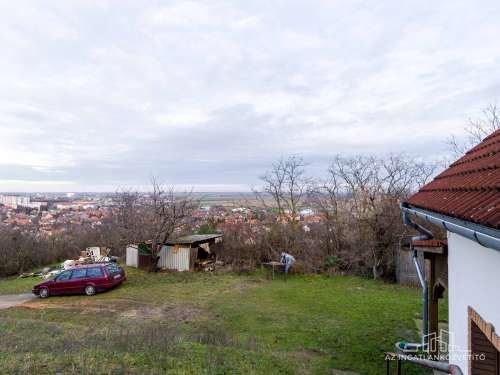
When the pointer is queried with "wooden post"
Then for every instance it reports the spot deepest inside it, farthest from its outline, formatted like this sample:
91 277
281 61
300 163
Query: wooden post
433 307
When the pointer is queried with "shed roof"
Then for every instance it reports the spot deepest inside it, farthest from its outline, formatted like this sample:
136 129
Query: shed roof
429 243
193 239
469 189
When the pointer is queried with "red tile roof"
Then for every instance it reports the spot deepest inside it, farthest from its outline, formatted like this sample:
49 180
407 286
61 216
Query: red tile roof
470 188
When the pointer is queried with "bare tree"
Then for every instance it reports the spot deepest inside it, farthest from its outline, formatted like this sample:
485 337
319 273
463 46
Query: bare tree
370 188
399 175
168 212
155 216
288 184
131 217
274 181
326 197
476 130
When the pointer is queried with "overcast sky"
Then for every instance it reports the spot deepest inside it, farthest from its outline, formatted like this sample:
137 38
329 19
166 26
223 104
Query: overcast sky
97 95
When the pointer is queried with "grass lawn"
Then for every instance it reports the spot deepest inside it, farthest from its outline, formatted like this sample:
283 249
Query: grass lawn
15 285
198 323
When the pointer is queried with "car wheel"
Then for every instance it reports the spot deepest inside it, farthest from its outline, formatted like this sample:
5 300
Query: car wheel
89 290
44 293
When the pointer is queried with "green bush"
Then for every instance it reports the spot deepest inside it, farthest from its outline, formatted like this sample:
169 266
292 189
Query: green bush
331 261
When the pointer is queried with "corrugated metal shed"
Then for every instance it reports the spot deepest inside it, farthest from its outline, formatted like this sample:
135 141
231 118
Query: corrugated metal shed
180 254
175 257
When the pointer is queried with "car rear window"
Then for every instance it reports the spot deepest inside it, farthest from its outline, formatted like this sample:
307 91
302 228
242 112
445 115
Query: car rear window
94 272
79 273
112 268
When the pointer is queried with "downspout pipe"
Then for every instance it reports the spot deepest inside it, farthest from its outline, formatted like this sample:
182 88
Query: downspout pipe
425 234
425 308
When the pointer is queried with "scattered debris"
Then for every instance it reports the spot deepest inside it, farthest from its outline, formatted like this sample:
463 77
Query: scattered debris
51 273
88 256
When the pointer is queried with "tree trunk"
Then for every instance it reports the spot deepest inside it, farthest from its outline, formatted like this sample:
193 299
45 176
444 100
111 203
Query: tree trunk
154 256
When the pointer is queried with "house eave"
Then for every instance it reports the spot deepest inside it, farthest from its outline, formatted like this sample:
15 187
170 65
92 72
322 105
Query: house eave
485 236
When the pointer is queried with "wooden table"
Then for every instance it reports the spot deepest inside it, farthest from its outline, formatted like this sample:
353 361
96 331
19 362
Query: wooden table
271 267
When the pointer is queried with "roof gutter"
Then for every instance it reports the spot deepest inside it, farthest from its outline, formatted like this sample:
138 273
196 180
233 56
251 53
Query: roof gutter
487 237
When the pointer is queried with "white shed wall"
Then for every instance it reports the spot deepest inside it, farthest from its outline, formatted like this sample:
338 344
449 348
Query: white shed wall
132 256
473 281
170 259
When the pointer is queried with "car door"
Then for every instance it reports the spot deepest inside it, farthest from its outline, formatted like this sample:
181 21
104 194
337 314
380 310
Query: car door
77 282
96 276
60 284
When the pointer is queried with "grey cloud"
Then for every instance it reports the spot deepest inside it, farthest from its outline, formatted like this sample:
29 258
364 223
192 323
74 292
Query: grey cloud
210 93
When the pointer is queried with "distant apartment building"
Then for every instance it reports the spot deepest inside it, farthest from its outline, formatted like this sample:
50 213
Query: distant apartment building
77 205
15 201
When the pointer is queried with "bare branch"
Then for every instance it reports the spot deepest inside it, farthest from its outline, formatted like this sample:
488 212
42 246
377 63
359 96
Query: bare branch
476 130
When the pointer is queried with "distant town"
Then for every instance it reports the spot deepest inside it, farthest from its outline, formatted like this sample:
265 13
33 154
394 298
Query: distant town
52 214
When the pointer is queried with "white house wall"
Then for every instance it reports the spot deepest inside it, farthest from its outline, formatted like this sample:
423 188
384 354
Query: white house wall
473 281
171 259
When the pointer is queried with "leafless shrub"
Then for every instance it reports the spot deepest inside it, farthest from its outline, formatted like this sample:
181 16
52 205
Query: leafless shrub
23 250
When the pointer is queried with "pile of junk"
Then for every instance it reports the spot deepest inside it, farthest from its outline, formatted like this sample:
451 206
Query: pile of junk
93 254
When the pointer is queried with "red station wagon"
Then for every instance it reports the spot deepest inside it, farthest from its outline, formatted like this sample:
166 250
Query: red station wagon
88 279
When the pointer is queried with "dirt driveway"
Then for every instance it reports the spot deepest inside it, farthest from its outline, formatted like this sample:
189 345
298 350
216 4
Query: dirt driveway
10 300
